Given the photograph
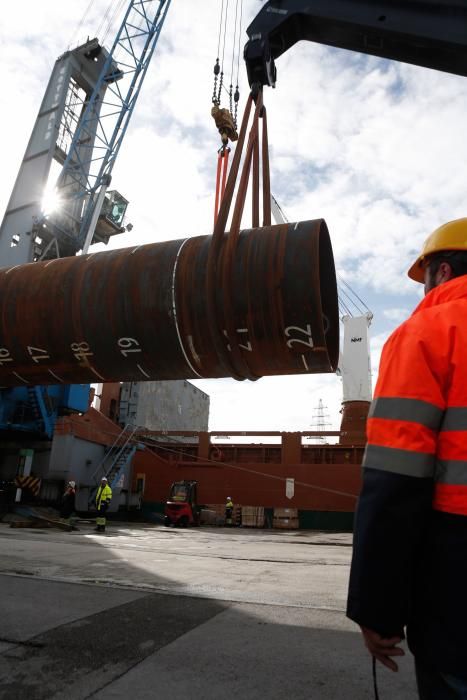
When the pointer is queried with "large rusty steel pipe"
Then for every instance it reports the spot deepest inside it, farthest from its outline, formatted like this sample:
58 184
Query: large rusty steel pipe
141 313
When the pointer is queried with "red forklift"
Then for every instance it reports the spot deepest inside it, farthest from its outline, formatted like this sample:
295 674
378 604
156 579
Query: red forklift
181 508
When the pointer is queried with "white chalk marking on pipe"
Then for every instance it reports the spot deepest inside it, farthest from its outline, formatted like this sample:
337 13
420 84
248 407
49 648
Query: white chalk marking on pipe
142 371
20 377
97 373
55 375
296 226
305 363
135 249
192 348
174 309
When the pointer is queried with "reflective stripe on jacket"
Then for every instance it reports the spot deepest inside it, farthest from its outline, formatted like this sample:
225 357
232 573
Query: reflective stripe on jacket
409 567
104 495
417 423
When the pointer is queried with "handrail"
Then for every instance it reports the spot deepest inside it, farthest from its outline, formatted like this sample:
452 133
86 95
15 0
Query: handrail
115 446
121 451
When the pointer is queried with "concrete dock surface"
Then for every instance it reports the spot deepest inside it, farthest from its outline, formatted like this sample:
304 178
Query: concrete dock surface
210 613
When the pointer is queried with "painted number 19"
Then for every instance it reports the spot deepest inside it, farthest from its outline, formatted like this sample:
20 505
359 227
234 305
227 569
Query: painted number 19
128 345
5 356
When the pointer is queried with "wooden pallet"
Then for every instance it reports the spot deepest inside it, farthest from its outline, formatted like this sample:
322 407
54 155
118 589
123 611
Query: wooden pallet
252 516
218 511
285 519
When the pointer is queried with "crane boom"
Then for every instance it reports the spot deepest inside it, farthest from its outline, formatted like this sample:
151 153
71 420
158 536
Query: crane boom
426 33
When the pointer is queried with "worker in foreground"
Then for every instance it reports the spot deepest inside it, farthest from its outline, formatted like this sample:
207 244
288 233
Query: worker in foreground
409 565
103 498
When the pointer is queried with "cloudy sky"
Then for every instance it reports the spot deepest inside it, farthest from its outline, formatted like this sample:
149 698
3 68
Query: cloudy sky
375 148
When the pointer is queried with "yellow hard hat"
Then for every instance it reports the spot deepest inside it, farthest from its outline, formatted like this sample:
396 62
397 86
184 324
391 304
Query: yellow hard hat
450 236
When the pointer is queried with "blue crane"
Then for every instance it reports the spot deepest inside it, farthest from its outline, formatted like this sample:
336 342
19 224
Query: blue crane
86 172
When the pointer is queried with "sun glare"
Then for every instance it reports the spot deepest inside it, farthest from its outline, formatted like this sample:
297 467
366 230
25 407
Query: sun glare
51 201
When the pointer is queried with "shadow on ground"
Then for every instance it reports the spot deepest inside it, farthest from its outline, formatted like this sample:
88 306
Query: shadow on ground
62 640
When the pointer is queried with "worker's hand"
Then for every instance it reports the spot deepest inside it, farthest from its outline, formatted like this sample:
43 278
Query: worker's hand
383 649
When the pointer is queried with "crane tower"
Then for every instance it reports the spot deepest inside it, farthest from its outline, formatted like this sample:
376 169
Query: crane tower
74 144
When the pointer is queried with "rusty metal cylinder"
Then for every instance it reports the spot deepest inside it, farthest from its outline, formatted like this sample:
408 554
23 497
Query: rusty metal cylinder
140 313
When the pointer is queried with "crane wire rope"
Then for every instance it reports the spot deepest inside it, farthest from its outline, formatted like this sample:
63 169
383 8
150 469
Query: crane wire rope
343 307
225 119
239 39
220 30
80 23
356 295
234 43
221 76
111 23
345 295
234 97
104 18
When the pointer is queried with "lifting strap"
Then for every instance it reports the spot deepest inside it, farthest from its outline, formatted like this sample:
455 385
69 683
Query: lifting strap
221 177
219 273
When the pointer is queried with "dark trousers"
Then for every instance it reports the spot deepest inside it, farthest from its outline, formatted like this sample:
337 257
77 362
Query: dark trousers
101 519
434 685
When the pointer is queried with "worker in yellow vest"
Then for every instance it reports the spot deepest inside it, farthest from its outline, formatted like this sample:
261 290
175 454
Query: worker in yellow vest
103 498
228 512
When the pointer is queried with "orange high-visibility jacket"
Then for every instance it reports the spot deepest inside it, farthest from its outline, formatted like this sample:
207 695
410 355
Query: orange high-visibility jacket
418 419
409 564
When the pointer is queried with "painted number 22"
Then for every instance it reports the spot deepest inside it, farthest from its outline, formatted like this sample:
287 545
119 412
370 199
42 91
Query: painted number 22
304 334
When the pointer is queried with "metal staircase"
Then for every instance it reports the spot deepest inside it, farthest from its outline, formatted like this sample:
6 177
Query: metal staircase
115 466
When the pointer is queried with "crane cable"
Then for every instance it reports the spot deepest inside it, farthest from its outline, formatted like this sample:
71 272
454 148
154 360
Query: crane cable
80 23
225 119
104 19
219 67
234 97
111 21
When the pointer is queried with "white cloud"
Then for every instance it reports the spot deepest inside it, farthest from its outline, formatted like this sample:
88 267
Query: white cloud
371 146
396 314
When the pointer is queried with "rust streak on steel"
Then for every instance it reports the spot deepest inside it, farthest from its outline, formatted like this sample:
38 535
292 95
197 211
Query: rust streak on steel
142 313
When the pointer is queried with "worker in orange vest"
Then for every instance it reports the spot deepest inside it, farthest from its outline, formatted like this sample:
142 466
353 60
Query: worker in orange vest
409 565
